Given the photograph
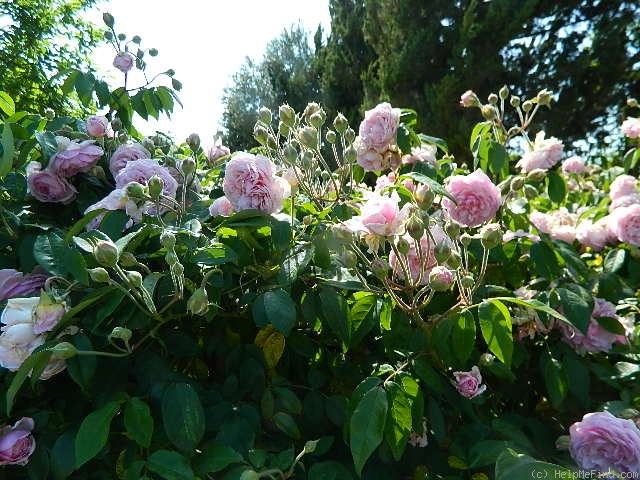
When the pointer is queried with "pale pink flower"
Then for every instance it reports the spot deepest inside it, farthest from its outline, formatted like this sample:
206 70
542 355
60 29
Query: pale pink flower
440 278
380 215
595 235
602 442
476 199
419 439
469 99
48 313
292 175
123 61
625 224
625 201
47 186
221 206
370 160
124 154
384 181
216 152
573 165
142 170
116 200
97 126
250 183
379 128
559 224
544 155
73 157
16 442
469 384
422 154
16 284
631 127
622 186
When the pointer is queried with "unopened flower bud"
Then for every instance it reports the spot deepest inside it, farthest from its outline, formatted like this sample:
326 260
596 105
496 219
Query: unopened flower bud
290 153
517 183
530 192
424 196
171 258
440 278
136 39
544 97
106 253
493 99
260 134
108 35
325 175
284 129
134 190
264 115
271 142
155 184
307 220
452 228
536 175
349 259
128 259
467 281
287 115
99 275
489 112
415 228
380 268
513 131
108 19
341 233
193 141
340 123
310 109
469 99
403 245
116 124
135 278
318 118
527 105
491 235
486 360
309 137
442 252
331 136
349 135
64 350
307 160
350 154
504 92
167 239
465 239
505 187
49 113
121 333
454 260
563 442
177 269
198 303
632 102
515 101
123 137
188 166
153 52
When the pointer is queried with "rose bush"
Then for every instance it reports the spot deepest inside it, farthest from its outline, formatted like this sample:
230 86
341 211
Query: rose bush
323 305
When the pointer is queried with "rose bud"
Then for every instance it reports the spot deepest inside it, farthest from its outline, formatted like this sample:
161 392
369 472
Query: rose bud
48 313
198 303
106 253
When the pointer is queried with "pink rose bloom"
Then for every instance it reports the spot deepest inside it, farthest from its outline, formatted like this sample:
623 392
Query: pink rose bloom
385 181
74 157
142 170
595 235
370 160
16 442
250 182
124 154
622 186
216 152
545 154
46 186
116 200
597 338
18 339
603 442
559 224
422 154
379 127
123 61
625 201
477 199
15 284
469 384
380 215
221 207
469 99
625 224
573 165
97 126
631 127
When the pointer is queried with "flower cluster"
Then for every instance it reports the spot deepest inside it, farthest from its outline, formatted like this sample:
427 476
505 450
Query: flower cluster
377 135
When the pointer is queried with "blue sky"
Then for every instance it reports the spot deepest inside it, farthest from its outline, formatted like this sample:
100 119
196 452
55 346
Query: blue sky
205 42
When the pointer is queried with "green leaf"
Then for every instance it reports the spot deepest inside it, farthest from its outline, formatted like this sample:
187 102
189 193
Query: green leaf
436 420
495 324
498 157
48 145
430 182
94 431
63 460
6 104
511 465
295 263
280 310
576 306
280 234
214 459
363 316
81 368
555 379
611 325
580 383
463 335
138 421
534 304
367 426
614 260
427 374
50 252
544 260
170 465
76 265
6 161
485 452
287 425
399 420
15 184
80 224
330 470
21 376
335 314
556 187
182 416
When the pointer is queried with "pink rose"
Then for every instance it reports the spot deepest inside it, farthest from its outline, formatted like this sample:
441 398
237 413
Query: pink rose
469 99
559 224
597 338
142 170
595 235
573 165
124 154
16 442
603 442
48 313
625 224
15 284
18 339
631 127
423 154
46 186
97 126
469 384
221 207
622 186
216 152
379 127
477 199
544 155
74 157
624 201
370 160
116 200
250 183
123 61
380 215
440 278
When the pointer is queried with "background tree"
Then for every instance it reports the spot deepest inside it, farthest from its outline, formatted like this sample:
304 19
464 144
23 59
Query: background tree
40 41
